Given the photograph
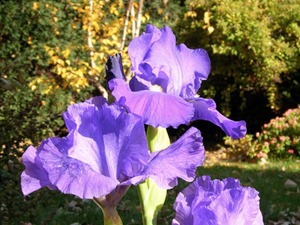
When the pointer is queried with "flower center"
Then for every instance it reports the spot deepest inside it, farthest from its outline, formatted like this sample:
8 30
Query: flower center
156 88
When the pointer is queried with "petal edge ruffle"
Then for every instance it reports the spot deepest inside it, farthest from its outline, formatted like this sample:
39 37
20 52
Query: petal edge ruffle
205 109
179 160
70 175
34 176
207 201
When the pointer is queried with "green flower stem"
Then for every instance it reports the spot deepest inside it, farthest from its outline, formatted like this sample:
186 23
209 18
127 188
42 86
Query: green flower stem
151 196
109 203
110 214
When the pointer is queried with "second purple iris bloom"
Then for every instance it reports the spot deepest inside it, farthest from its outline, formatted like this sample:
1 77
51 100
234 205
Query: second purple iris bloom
165 83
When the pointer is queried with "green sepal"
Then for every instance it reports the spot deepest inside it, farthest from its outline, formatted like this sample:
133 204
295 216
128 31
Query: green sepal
109 203
152 199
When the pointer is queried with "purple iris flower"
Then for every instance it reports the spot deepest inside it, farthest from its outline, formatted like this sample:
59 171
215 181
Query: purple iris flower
105 152
215 202
165 83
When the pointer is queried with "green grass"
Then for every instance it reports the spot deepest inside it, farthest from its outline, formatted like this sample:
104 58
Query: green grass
51 207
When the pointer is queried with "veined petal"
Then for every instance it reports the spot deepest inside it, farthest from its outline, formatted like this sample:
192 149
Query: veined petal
34 176
212 202
195 66
161 62
200 193
111 141
72 115
232 206
156 108
183 208
205 109
105 147
179 160
139 47
178 70
72 176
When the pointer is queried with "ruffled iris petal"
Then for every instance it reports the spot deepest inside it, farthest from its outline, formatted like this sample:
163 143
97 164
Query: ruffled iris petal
211 202
156 108
105 147
205 109
183 208
194 196
34 176
232 206
71 116
111 141
162 62
179 160
139 47
72 176
195 66
178 70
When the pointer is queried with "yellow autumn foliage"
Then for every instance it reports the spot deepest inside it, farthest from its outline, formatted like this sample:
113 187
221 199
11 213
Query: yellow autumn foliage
102 34
193 5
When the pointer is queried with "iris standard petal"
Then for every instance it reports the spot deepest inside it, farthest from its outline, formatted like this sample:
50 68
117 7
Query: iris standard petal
71 116
232 206
179 160
205 109
139 47
156 108
193 196
183 208
178 70
195 66
111 141
34 176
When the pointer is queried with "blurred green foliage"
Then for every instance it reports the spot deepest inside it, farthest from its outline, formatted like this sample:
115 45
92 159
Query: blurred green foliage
25 31
27 116
242 150
254 48
164 12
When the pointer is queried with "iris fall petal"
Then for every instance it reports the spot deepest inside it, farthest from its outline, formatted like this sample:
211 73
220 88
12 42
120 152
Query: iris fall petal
205 109
179 160
34 176
156 108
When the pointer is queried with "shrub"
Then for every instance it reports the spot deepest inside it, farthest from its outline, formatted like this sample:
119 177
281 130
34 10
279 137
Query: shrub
254 49
244 149
281 136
